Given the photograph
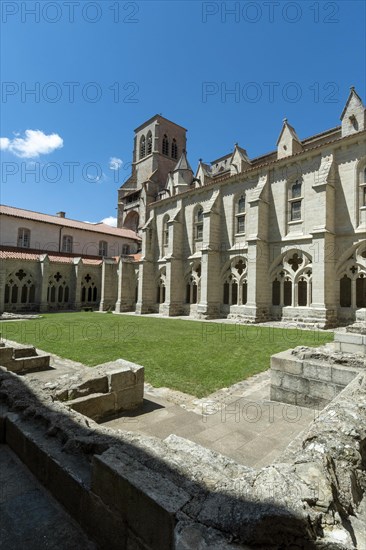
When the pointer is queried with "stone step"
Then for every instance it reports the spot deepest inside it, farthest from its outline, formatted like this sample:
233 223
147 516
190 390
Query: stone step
29 364
24 352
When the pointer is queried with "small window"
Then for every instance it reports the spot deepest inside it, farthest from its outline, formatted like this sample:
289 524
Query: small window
240 224
23 238
296 210
103 248
125 249
149 143
165 232
295 201
363 188
142 147
174 149
67 244
240 215
199 224
165 145
296 190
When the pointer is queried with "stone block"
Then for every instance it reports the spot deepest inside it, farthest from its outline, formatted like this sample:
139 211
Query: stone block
316 371
353 348
98 384
348 338
322 390
343 375
6 355
295 383
276 377
24 352
95 406
103 524
129 398
147 501
284 362
283 396
28 364
121 378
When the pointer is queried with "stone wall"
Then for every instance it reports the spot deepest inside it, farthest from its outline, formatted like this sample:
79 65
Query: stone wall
133 491
312 377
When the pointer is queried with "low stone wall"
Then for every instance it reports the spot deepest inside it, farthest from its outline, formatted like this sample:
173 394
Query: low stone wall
137 492
23 360
312 377
349 342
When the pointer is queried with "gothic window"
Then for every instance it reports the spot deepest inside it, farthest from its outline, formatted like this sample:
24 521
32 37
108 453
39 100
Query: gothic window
161 293
7 294
19 288
149 143
23 237
226 299
89 291
174 149
103 248
14 294
165 145
361 291
245 292
234 293
345 291
193 286
240 215
67 242
235 283
295 201
198 222
58 290
165 231
287 293
276 293
142 147
302 290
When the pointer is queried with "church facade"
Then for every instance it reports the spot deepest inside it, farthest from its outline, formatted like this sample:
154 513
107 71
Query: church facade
278 237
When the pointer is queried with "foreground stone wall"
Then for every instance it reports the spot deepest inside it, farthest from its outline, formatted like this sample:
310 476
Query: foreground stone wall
312 377
137 492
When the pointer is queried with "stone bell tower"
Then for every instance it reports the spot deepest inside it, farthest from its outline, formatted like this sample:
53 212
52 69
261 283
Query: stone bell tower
158 145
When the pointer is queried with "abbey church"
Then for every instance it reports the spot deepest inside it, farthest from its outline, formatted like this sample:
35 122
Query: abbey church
277 237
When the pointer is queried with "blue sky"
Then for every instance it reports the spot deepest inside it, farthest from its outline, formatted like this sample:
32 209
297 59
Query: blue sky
99 69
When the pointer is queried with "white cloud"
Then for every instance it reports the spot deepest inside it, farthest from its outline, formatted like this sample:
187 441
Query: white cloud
33 144
110 221
4 144
115 163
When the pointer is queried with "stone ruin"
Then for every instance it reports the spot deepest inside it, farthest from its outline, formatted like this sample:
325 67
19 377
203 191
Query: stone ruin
138 492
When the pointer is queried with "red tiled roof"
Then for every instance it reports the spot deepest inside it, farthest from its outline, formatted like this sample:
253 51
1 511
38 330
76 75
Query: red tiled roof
67 222
8 253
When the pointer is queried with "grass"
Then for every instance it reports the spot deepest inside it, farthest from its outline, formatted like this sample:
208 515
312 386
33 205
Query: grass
190 356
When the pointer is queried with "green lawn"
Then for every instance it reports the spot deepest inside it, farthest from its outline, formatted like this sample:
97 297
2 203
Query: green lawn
190 356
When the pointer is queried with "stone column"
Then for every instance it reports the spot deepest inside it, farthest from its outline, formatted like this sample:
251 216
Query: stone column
210 302
323 246
175 287
259 290
323 305
75 291
108 296
126 286
2 287
45 273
